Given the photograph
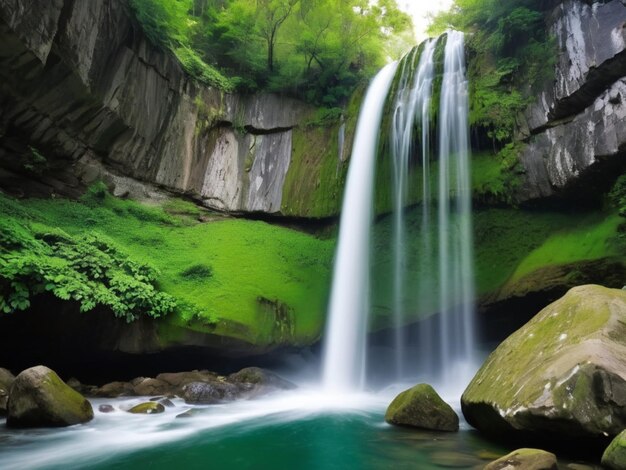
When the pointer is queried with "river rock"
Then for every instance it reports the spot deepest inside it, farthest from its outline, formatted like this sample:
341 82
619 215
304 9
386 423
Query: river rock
422 407
106 408
614 456
150 387
561 376
525 459
263 380
203 393
147 408
114 390
6 380
39 398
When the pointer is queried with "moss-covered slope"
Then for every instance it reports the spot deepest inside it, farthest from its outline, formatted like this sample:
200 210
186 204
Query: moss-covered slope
245 280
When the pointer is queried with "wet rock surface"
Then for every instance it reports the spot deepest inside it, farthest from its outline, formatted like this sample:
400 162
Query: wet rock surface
576 126
76 83
561 376
422 407
198 386
525 459
39 398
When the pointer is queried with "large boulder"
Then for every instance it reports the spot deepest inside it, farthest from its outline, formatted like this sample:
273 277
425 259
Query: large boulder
39 398
421 407
614 456
561 376
525 459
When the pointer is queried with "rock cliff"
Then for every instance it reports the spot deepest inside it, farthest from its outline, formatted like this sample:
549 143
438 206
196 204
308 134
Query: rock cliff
83 90
577 124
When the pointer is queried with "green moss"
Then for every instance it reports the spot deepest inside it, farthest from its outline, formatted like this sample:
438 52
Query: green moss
519 363
247 260
592 238
614 456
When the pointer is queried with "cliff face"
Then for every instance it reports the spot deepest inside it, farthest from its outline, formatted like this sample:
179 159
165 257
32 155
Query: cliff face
577 124
80 83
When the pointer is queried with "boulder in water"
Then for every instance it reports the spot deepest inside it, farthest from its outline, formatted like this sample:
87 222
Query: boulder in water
203 393
6 380
525 459
422 407
147 408
614 456
561 376
39 398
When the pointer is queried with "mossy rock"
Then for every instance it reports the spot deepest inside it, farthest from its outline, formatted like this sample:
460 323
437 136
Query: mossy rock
422 407
561 376
147 408
614 456
525 459
6 380
39 398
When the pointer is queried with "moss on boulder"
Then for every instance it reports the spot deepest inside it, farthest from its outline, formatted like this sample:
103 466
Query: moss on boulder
39 398
614 456
525 459
561 376
147 408
422 407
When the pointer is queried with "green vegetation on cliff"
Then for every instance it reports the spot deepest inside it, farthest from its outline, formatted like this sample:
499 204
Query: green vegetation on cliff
243 279
318 50
510 55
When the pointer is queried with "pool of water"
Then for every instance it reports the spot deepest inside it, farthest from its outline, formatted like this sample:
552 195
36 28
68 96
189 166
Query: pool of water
302 430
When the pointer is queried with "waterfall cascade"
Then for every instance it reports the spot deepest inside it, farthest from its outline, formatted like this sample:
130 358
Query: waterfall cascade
443 272
344 352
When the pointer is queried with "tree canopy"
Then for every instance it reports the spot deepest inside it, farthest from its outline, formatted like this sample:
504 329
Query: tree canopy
318 50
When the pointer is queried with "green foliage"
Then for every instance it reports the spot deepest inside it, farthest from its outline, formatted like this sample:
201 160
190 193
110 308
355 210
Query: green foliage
511 53
201 71
88 269
318 50
617 196
208 275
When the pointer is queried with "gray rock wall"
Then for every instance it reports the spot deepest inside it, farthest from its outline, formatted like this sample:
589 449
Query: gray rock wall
80 82
577 122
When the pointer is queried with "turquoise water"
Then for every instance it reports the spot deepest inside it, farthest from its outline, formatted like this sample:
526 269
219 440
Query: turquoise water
303 431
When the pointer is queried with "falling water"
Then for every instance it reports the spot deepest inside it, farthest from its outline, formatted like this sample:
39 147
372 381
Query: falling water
344 353
445 268
456 277
412 103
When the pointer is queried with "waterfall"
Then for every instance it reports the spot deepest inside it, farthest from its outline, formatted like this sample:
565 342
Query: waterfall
344 353
442 274
412 103
456 277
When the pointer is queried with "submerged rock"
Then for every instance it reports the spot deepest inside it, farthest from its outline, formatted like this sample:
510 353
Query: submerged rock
422 407
561 376
39 398
106 409
614 456
147 408
525 459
